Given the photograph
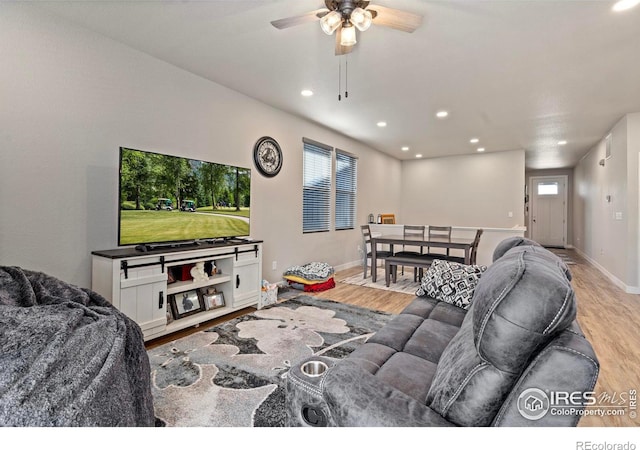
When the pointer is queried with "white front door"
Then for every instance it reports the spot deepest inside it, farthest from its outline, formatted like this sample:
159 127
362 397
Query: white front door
549 210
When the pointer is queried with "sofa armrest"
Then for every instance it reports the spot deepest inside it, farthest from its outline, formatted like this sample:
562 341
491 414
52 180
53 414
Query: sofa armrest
356 398
567 364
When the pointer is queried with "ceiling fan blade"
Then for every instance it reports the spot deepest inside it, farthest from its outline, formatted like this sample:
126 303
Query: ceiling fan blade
312 16
394 18
342 49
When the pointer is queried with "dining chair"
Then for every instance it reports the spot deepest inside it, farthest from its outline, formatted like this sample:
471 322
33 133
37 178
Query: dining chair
439 231
415 231
380 254
474 250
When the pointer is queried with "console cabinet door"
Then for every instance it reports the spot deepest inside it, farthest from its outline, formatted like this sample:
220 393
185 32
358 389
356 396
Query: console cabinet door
144 300
246 280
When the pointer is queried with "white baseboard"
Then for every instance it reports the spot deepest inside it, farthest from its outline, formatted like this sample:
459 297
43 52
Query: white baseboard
356 263
348 265
615 280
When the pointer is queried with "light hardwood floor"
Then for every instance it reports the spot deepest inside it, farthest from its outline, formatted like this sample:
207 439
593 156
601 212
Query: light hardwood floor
608 317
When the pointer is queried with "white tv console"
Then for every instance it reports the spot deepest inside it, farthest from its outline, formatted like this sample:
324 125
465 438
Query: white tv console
135 281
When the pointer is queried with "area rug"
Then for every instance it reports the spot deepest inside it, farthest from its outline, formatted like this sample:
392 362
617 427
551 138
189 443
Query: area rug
233 375
404 283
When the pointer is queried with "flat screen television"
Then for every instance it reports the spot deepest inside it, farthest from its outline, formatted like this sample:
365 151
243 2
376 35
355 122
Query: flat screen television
170 199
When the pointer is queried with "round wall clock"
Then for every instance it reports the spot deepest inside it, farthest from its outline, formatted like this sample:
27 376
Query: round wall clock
267 156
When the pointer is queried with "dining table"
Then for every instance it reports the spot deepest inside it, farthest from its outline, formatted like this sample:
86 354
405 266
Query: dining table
453 242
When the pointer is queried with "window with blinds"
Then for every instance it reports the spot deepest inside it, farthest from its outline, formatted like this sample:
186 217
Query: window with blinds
346 180
316 188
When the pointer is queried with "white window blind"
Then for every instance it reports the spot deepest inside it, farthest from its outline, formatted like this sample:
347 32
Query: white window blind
316 189
346 181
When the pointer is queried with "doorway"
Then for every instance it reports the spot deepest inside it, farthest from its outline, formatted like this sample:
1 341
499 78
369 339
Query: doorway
548 218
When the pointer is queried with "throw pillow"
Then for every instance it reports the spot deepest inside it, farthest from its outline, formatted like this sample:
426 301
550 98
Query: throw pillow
451 282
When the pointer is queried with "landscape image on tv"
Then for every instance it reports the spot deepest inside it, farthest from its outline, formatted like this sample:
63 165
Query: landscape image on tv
170 199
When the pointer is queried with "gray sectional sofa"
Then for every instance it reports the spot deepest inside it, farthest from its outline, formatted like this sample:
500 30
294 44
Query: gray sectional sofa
499 363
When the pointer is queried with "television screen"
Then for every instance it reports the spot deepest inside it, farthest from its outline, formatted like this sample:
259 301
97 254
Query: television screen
172 199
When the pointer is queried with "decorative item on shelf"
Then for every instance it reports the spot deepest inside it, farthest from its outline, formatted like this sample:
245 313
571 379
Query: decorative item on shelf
371 219
183 273
379 218
170 276
210 268
388 218
185 304
169 314
211 299
197 272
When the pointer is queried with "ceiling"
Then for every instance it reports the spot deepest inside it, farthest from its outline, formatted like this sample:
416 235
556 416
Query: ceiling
514 74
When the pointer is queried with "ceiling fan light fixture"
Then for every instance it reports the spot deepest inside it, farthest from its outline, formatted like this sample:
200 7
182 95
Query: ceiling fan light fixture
361 19
348 36
331 22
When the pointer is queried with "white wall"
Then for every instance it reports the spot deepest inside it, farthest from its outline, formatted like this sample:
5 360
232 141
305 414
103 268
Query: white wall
477 190
605 231
633 200
71 98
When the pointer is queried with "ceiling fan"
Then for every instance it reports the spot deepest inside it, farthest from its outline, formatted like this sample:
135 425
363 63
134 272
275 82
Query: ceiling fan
344 16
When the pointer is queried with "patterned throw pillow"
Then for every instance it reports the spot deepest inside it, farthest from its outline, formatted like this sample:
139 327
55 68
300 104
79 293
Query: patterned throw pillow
451 282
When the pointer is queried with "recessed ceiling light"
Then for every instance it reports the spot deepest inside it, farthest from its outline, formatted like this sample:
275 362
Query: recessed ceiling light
623 5
306 93
418 155
442 114
382 124
481 149
562 142
405 149
474 140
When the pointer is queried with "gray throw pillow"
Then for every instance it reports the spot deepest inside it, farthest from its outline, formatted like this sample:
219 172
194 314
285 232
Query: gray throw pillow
451 282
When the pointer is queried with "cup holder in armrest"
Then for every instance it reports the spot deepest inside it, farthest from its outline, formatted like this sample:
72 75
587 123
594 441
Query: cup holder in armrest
313 368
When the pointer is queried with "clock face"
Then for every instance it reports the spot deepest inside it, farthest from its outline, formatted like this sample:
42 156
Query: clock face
267 156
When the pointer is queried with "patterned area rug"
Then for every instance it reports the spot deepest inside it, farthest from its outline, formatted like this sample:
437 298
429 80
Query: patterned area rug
404 283
232 375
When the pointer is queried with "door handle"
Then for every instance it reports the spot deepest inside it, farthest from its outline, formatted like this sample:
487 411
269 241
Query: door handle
237 281
160 300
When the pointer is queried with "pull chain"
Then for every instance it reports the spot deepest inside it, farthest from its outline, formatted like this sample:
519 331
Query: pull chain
339 80
346 77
